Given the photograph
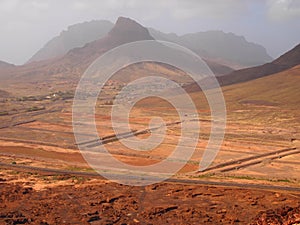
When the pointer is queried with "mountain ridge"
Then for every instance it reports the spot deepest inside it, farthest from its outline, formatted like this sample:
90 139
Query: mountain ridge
124 31
76 61
211 45
76 35
218 44
6 64
286 61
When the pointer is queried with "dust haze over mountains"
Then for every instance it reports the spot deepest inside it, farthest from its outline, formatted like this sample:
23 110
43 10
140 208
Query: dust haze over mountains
66 56
213 45
70 53
76 36
26 26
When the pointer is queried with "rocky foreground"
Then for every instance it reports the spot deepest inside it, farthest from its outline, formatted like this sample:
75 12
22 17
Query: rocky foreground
93 201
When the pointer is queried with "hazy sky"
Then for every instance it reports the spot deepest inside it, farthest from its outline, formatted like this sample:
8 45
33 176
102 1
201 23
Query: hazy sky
26 25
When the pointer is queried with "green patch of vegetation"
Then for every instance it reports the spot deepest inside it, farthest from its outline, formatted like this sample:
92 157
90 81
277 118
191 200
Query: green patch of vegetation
3 113
34 173
30 98
13 172
245 177
35 108
65 95
275 180
79 179
203 176
53 96
79 169
60 177
67 177
283 180
46 178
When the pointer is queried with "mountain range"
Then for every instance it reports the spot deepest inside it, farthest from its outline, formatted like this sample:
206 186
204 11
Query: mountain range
225 48
222 48
72 64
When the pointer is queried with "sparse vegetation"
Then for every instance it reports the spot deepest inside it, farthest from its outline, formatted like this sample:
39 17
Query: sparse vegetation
35 108
4 113
80 169
65 95
30 98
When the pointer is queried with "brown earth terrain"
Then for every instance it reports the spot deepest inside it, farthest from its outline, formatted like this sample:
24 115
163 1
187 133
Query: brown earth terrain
45 179
32 198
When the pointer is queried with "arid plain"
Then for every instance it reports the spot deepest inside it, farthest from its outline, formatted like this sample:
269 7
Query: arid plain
45 180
